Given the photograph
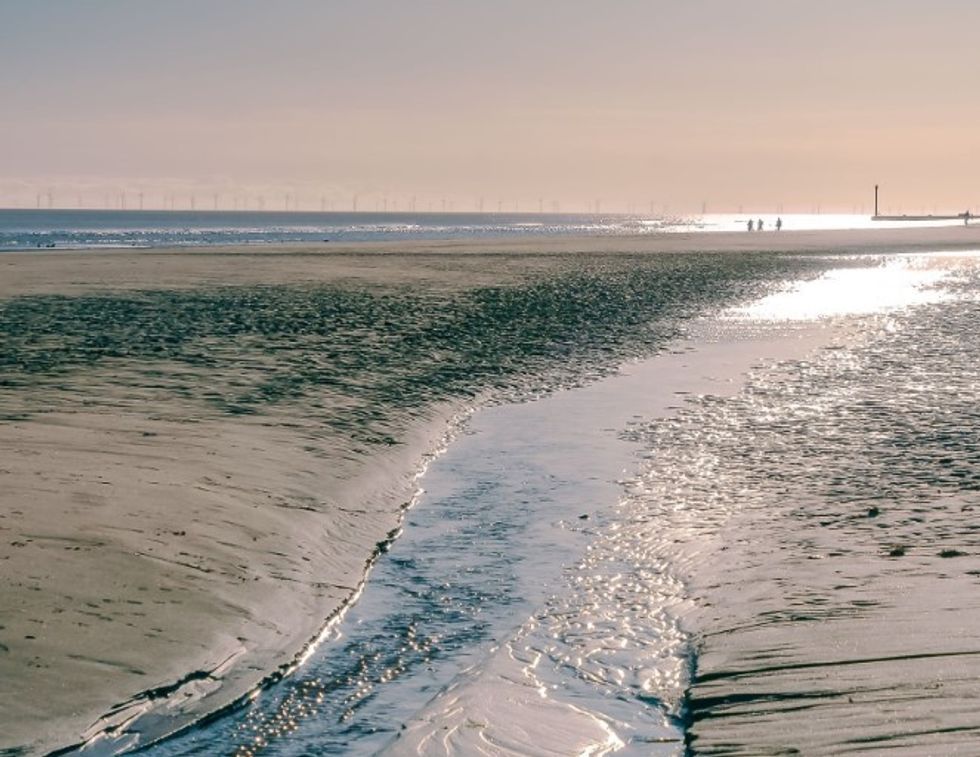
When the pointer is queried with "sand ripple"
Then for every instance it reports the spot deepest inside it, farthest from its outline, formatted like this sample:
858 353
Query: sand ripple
825 526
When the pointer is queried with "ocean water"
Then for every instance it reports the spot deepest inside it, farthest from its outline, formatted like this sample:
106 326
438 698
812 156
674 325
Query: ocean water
761 542
33 229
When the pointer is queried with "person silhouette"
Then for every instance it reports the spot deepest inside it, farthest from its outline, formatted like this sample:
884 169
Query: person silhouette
759 225
779 224
751 225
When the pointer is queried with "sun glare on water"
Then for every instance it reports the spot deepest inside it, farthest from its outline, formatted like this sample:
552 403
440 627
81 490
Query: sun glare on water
891 284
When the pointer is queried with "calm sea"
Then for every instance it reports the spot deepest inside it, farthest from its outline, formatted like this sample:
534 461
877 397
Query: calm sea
32 229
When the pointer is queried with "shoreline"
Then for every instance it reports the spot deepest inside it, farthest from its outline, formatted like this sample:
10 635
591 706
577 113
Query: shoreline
50 271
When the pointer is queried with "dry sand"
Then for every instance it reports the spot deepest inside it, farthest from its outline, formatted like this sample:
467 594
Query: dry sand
151 546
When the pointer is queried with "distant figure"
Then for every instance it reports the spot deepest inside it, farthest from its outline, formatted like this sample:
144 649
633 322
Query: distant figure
779 224
966 218
751 225
760 224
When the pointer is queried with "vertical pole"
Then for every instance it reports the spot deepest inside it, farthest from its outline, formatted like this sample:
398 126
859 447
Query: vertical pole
876 199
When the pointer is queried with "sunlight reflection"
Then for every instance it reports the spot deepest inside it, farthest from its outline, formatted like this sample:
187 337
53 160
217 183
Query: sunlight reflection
889 284
800 222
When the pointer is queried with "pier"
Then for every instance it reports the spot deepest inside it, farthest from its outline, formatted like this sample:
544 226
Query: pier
958 217
965 216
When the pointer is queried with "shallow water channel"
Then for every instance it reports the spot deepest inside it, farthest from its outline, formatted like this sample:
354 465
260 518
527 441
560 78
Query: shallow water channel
497 541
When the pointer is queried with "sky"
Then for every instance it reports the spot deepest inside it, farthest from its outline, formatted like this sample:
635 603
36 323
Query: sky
512 104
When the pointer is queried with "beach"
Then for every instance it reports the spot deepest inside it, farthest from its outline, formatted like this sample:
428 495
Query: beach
202 450
64 271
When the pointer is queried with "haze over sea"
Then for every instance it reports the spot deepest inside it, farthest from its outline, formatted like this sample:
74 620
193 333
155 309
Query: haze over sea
684 500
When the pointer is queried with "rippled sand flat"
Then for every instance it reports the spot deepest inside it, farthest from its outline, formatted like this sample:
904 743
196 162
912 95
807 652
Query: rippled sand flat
826 530
201 451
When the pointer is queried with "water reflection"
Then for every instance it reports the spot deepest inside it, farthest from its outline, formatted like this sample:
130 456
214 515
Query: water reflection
884 284
828 507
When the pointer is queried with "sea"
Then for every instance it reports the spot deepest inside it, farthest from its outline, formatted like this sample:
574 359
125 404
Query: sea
60 228
717 504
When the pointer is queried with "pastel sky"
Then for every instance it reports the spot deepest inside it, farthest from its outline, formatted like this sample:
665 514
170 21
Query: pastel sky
755 103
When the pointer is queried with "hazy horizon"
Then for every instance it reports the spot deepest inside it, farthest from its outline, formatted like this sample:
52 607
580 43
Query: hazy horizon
639 106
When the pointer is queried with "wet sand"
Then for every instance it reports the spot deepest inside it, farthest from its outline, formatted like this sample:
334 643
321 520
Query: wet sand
57 271
164 550
828 538
149 553
601 665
